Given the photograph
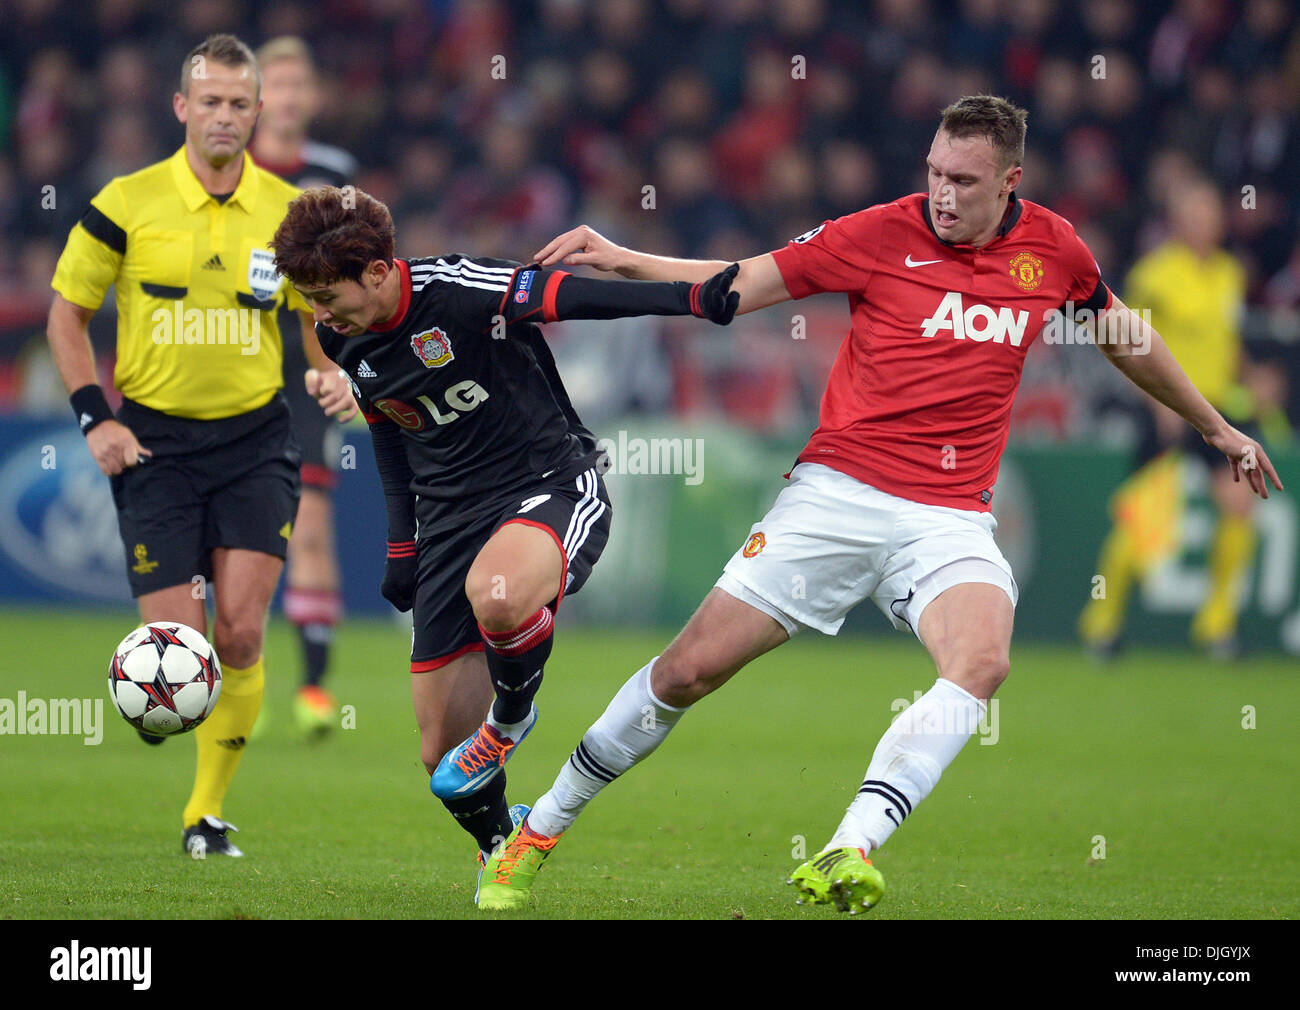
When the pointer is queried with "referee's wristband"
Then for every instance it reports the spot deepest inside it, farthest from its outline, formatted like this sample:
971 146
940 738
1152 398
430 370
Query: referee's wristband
90 407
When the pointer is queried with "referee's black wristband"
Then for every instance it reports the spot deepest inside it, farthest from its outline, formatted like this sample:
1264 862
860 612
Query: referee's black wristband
90 406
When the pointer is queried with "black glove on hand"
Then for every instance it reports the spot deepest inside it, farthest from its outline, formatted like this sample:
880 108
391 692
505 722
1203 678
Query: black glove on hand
714 299
398 587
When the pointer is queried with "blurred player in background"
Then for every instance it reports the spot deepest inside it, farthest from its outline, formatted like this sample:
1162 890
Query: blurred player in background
1195 291
497 508
202 462
312 601
890 499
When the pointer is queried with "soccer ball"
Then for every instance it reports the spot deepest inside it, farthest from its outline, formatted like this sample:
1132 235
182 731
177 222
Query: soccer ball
164 678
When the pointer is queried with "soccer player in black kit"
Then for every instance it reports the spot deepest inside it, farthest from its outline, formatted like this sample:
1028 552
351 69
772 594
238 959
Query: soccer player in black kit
496 506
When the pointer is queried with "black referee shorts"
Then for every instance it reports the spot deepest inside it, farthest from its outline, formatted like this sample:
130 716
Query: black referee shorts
575 511
226 483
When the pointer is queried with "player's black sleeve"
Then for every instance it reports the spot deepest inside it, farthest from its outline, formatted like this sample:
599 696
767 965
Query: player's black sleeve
395 475
487 293
587 298
554 294
400 572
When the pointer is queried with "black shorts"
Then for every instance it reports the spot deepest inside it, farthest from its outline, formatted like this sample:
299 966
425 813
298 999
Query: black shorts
575 511
226 483
319 436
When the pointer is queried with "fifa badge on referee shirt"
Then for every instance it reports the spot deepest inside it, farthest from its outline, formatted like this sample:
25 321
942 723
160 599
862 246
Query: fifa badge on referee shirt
263 281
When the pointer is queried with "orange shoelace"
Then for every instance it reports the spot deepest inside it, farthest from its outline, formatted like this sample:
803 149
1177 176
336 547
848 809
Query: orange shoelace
487 748
516 850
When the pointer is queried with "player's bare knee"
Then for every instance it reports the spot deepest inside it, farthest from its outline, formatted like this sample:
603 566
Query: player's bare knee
981 673
238 643
678 681
307 544
496 613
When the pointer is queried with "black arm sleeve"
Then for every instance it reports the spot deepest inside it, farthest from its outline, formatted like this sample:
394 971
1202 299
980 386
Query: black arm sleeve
588 298
395 476
533 294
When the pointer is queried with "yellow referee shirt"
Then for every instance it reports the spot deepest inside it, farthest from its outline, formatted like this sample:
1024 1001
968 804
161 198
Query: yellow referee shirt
197 294
1196 307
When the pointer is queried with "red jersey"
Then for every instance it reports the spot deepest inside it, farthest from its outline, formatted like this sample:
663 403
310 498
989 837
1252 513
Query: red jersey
918 403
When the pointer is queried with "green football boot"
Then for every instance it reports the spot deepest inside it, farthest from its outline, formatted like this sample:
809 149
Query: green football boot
507 878
844 876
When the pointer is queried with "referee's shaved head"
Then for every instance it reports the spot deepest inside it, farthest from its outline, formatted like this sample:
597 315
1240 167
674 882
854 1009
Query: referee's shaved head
331 234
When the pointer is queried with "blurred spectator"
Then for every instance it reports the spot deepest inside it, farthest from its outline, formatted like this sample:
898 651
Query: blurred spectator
490 125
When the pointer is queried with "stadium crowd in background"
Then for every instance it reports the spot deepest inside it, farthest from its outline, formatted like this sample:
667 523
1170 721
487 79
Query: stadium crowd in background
493 125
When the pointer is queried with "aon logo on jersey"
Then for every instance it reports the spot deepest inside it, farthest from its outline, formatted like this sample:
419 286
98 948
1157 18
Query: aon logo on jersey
460 398
979 322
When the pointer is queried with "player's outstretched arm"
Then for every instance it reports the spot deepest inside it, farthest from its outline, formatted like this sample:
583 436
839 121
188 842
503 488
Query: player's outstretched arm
1138 351
112 443
596 298
759 282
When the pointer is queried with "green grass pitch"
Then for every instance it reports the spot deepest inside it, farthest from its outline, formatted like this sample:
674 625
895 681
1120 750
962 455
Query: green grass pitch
1148 758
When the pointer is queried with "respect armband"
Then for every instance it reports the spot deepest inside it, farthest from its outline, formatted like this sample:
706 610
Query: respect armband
90 406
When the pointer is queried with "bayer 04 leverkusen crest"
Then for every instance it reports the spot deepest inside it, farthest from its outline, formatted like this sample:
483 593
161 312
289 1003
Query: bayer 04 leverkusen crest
432 347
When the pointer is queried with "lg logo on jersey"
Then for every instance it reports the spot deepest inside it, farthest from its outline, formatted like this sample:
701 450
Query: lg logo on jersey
461 399
979 322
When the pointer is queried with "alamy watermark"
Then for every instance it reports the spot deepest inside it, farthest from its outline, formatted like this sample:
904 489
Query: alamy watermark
1080 325
83 717
183 327
655 456
75 963
955 721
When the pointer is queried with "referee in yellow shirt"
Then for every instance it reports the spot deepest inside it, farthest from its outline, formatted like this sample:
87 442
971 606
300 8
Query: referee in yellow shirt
202 463
1195 292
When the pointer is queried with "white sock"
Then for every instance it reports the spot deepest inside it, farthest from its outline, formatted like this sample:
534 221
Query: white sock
514 730
633 725
908 762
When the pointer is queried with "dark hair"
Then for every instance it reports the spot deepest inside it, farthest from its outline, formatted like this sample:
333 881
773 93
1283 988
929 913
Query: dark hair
224 49
331 234
992 117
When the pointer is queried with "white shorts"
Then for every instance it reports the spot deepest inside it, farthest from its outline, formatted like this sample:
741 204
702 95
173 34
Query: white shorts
830 541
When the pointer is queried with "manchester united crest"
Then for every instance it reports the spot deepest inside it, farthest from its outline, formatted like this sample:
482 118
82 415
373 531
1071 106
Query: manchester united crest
1026 271
755 544
432 347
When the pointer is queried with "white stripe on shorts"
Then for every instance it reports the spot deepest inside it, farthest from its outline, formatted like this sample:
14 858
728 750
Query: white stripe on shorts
589 509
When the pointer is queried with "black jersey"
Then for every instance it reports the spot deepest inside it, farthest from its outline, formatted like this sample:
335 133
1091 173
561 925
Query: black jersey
317 165
466 375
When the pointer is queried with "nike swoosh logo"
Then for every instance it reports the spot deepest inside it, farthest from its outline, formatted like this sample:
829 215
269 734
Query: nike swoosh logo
918 263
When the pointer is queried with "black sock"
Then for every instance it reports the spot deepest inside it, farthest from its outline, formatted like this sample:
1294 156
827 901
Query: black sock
515 659
484 814
316 640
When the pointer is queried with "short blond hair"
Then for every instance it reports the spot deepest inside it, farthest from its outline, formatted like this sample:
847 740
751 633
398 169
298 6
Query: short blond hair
285 47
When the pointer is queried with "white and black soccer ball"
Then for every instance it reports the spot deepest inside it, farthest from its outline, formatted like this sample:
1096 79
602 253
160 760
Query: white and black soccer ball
164 678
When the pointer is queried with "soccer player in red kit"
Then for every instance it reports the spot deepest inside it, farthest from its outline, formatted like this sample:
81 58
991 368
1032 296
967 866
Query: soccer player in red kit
890 499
